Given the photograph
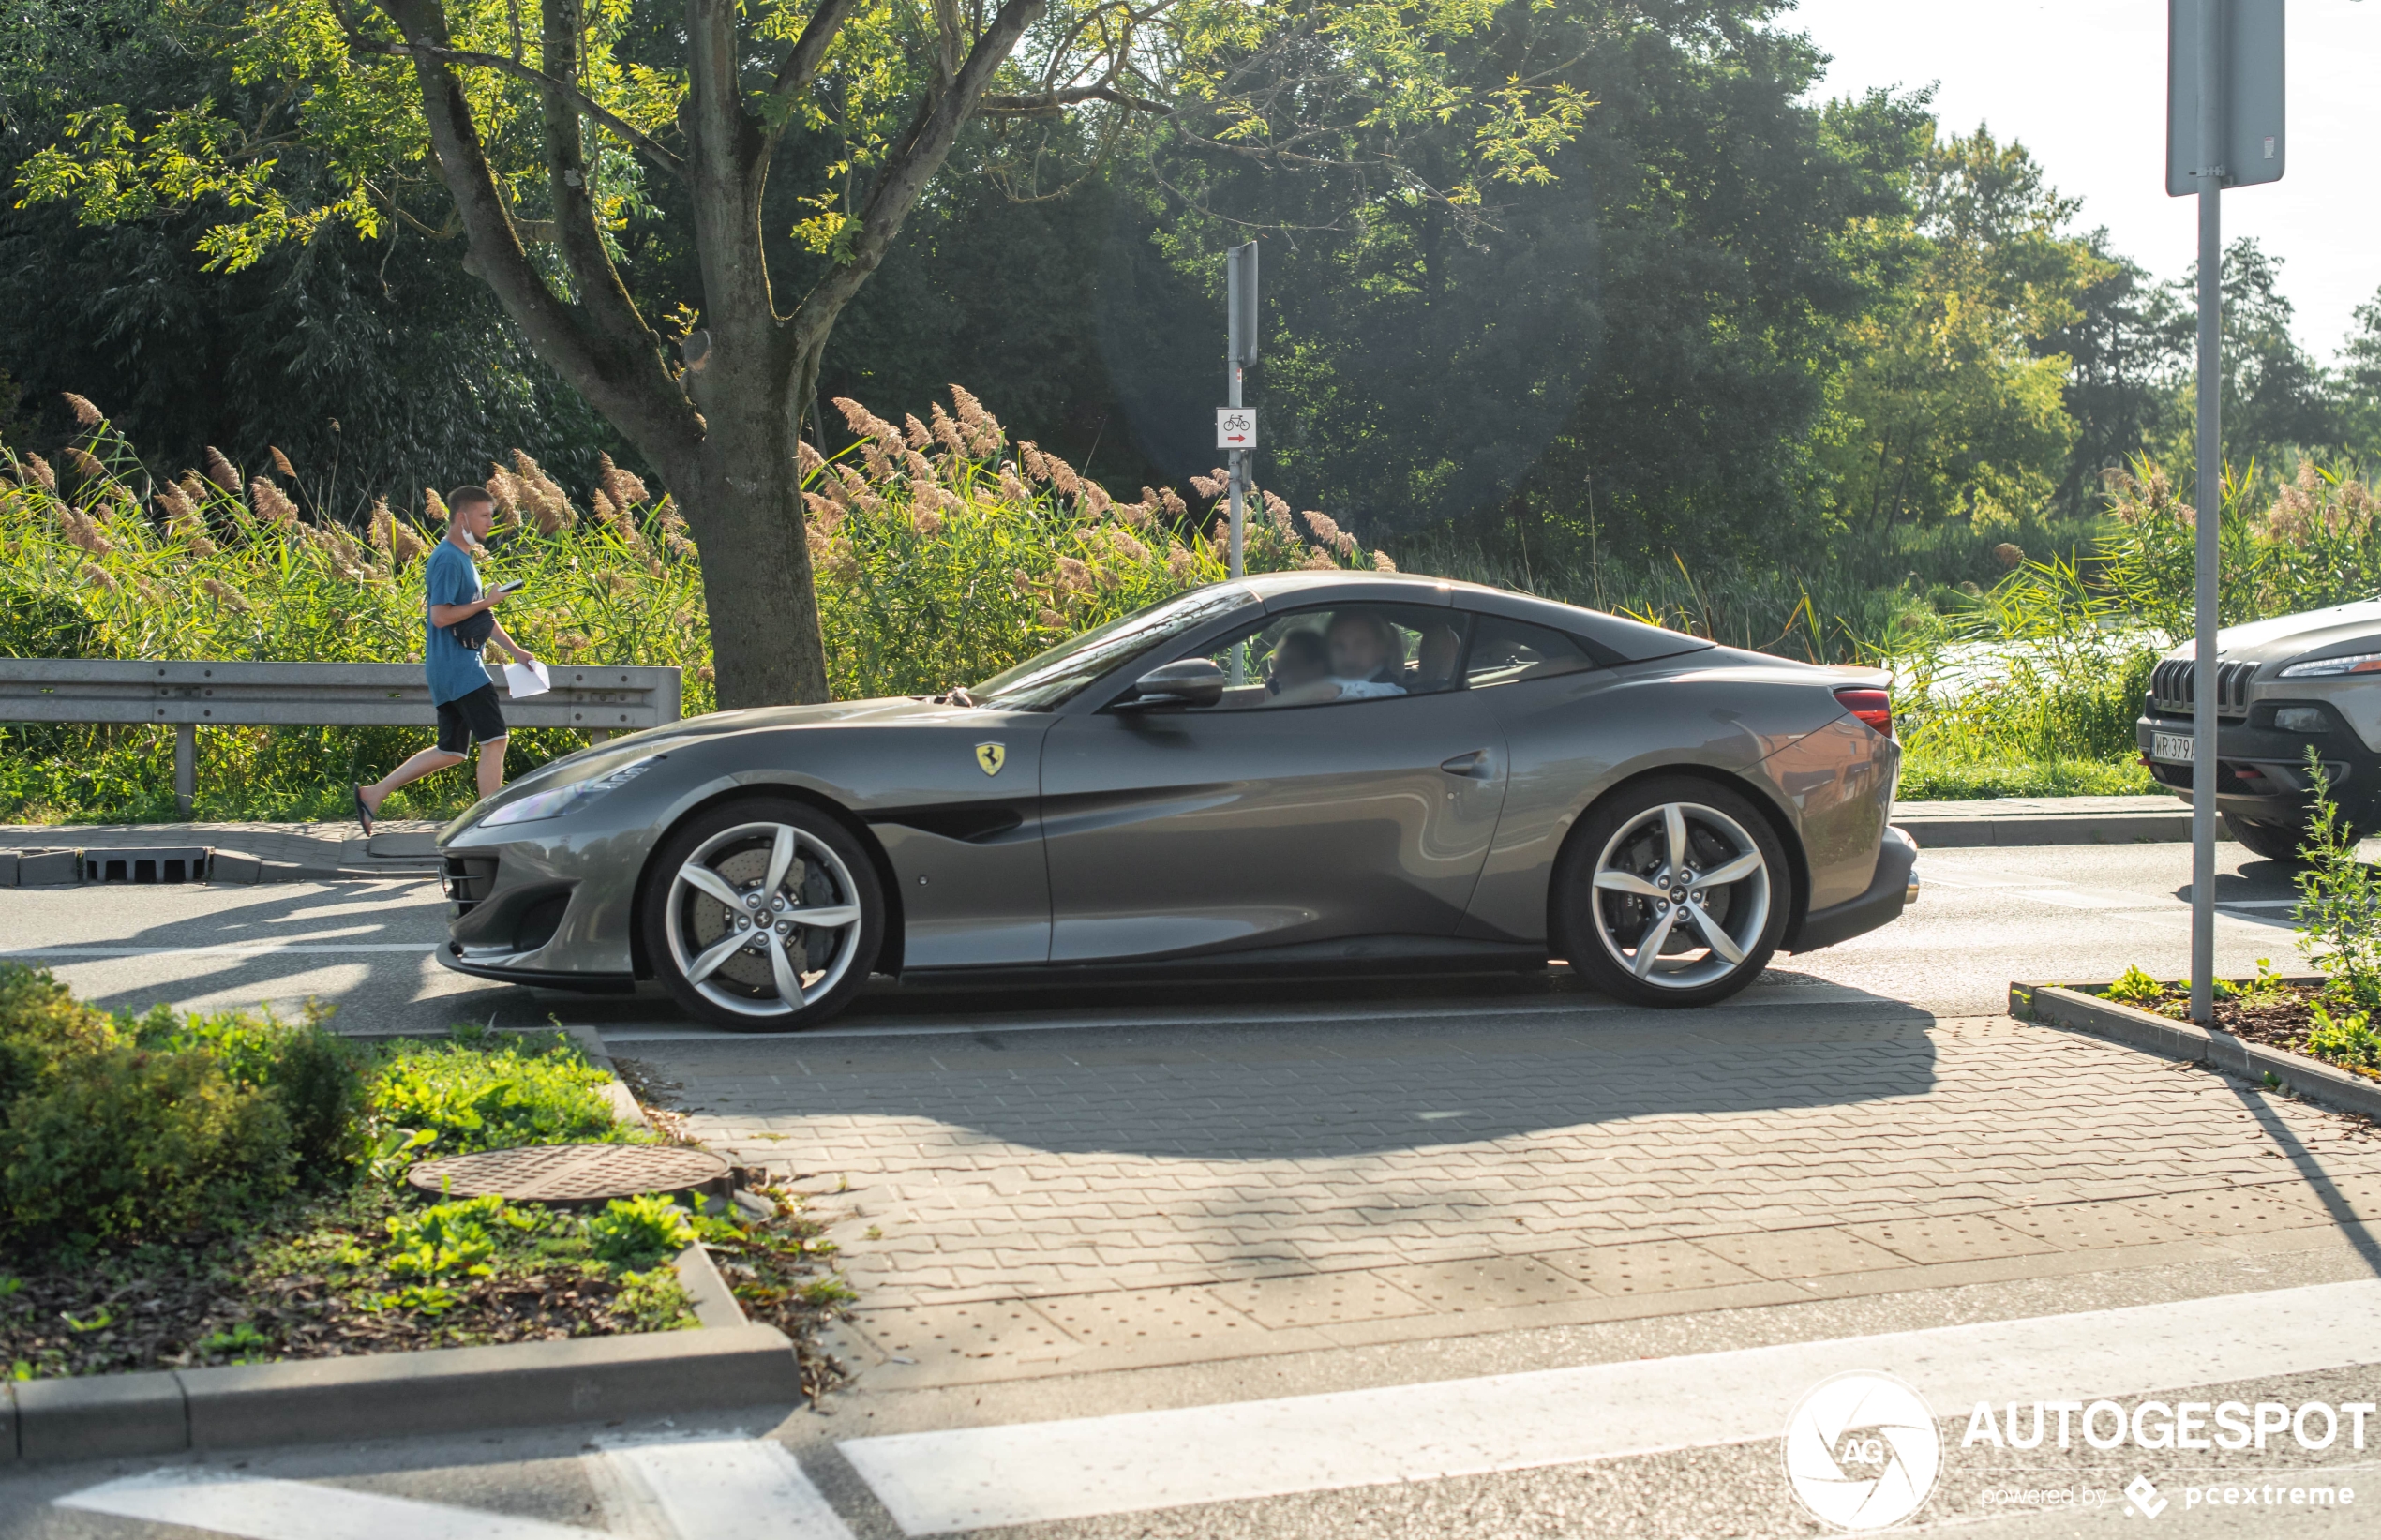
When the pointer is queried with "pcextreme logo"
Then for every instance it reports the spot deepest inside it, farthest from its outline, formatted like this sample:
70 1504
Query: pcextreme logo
1862 1451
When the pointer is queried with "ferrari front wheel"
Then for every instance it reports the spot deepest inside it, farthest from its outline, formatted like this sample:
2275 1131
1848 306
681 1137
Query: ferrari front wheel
762 916
1671 892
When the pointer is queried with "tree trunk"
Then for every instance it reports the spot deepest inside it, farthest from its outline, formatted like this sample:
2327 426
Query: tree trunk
740 489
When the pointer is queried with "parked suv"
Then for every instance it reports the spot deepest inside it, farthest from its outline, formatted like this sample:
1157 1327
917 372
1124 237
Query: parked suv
2282 687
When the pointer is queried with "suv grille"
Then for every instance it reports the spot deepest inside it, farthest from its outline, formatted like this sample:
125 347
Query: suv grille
2172 688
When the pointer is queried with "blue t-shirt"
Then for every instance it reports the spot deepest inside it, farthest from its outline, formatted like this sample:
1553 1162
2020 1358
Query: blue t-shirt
454 669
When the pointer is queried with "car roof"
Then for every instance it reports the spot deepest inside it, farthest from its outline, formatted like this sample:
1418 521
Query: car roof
1624 640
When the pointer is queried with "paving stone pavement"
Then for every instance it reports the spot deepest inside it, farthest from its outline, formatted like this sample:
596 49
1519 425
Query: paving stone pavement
1021 1204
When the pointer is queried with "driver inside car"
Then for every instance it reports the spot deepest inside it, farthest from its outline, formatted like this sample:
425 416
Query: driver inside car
1367 656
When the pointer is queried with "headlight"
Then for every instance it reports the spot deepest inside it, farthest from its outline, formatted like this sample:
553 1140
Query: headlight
2355 663
561 799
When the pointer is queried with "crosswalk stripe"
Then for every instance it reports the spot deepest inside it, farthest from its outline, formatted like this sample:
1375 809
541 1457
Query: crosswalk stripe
262 1508
731 1489
1035 1472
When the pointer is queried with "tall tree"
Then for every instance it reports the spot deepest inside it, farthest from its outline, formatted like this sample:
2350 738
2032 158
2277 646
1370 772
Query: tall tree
2129 351
542 133
1954 404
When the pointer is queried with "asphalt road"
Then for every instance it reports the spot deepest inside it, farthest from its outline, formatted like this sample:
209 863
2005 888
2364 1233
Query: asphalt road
1653 1435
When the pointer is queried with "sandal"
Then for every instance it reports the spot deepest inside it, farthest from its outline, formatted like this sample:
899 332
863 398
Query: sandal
363 813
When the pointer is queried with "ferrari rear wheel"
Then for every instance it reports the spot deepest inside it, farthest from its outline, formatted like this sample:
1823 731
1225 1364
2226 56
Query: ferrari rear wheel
1672 892
763 916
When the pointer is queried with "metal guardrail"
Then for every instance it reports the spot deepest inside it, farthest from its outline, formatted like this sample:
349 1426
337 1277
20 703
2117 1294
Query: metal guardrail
190 695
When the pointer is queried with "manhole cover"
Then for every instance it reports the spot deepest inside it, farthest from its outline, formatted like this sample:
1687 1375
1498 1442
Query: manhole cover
573 1173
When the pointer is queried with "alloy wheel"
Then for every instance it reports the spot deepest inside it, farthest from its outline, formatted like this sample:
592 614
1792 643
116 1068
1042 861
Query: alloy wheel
1682 895
762 919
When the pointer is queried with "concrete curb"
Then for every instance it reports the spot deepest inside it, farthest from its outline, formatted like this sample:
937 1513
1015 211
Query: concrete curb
8 1423
2326 1085
715 1304
1968 831
378 1395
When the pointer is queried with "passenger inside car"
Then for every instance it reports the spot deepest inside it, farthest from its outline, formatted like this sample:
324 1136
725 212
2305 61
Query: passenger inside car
1300 658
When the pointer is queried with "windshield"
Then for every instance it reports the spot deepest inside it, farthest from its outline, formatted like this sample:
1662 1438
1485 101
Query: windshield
1042 682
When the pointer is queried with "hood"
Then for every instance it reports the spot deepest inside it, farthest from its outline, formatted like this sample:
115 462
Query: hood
603 758
2316 633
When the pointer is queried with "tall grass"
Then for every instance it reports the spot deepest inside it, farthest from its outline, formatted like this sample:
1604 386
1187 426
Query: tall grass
943 555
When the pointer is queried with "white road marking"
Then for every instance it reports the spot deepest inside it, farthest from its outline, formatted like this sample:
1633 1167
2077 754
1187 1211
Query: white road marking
696 1488
237 949
1037 1472
265 1509
733 1488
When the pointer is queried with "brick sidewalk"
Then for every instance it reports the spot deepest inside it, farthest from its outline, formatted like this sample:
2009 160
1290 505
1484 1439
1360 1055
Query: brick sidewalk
1042 1202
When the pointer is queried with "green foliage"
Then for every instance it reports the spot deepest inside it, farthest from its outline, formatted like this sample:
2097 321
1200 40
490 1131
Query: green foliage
2138 989
470 1097
2338 912
444 1240
313 1072
2347 1042
637 1233
133 1143
43 1027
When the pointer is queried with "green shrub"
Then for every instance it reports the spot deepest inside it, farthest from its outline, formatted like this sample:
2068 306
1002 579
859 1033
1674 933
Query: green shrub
639 1232
2339 914
469 1098
309 1069
2351 1043
133 1143
41 1026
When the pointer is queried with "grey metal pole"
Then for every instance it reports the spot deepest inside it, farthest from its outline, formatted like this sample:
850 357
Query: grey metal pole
2210 506
1240 466
185 767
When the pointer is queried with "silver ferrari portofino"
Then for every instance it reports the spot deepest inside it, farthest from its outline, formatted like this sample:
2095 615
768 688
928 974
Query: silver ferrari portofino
1303 770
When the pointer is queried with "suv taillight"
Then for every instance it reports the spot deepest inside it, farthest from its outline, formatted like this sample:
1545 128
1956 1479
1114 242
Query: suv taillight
1872 706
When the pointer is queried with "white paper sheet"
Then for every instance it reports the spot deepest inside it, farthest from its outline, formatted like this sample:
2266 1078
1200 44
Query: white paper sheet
522 679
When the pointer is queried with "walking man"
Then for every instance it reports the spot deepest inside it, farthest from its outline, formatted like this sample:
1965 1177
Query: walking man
459 685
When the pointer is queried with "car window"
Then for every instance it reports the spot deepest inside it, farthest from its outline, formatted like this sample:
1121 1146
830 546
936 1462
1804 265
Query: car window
1338 655
1051 679
1504 651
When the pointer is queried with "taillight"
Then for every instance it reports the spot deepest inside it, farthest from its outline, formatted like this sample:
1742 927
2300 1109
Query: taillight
1874 707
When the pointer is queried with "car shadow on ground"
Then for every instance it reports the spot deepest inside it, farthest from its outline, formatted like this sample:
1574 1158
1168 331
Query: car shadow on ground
1213 1081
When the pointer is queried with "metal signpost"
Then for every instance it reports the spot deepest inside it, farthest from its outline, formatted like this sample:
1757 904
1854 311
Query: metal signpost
2224 128
1236 428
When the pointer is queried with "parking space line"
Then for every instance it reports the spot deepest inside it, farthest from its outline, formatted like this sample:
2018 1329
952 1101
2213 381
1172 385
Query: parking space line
1040 1473
239 949
260 1508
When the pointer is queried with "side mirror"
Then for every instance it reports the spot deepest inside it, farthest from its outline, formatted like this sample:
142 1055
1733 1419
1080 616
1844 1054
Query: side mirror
1190 681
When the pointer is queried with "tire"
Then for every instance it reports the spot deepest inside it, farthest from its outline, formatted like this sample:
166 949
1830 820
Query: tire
2274 841
1606 899
708 887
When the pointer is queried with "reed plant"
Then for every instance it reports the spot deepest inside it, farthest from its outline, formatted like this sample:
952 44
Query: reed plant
943 555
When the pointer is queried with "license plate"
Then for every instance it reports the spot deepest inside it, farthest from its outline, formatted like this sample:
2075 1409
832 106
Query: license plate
2175 748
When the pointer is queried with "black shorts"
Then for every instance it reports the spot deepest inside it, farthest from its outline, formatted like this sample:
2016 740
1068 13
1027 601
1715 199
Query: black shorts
475 715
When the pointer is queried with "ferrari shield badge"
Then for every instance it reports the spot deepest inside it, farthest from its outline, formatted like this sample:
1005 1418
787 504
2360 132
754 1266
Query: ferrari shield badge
991 756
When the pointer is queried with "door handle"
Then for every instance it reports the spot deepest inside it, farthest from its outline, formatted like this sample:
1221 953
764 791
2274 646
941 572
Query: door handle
1474 764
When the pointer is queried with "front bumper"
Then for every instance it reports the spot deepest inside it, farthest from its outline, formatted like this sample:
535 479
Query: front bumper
1893 889
451 955
2261 772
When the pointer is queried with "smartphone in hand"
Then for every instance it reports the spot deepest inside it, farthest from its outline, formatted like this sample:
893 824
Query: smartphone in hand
514 587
